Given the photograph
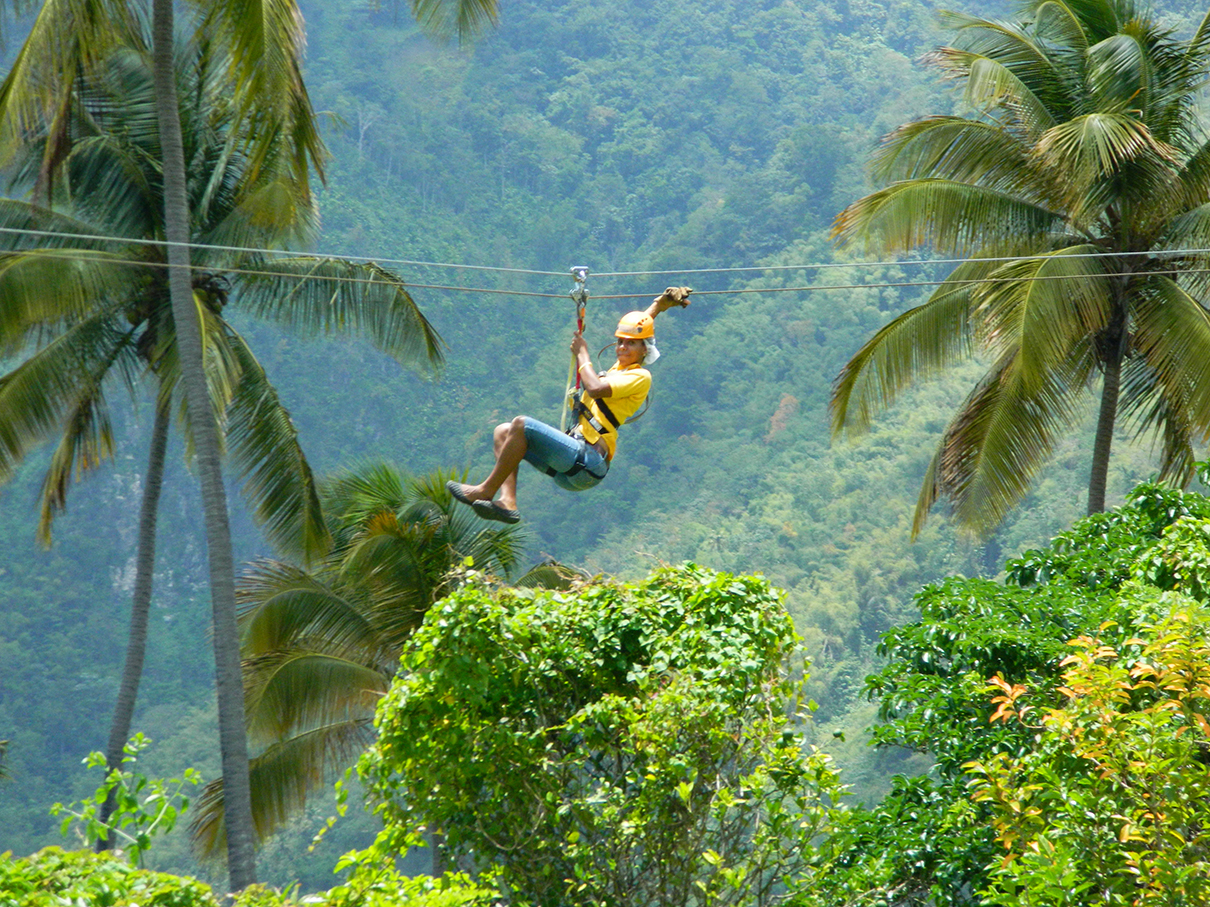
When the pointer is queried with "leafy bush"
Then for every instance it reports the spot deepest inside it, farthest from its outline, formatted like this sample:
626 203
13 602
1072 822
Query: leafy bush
57 878
928 842
614 744
54 877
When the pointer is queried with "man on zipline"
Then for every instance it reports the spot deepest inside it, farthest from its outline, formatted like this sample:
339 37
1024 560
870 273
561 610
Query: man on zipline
579 459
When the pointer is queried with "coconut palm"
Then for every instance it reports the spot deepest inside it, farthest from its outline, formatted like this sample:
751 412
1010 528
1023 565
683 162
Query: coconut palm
263 41
1077 189
85 299
321 646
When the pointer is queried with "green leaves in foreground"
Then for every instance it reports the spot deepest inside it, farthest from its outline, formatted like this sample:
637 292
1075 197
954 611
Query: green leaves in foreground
1070 745
613 744
142 807
53 876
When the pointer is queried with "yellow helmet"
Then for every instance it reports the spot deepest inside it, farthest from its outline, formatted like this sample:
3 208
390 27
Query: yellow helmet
636 326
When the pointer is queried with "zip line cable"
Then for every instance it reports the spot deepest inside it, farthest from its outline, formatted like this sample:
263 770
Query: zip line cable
814 266
808 288
94 237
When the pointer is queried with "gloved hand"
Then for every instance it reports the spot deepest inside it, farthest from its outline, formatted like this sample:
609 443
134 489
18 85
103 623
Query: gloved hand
674 296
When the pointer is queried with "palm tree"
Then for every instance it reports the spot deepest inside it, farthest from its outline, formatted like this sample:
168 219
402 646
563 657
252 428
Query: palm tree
84 283
264 41
70 37
322 646
1077 189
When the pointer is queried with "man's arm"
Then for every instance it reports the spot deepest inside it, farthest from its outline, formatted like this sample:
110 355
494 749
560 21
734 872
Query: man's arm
673 296
596 386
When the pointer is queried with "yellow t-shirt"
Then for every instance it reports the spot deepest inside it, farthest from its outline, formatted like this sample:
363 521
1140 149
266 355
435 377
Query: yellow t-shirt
628 389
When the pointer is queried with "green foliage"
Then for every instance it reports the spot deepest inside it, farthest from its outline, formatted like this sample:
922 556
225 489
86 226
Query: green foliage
142 807
1080 155
614 744
57 878
1112 803
320 645
53 877
926 841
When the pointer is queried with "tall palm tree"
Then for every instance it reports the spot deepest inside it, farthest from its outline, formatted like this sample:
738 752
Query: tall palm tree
1077 188
264 40
321 646
84 286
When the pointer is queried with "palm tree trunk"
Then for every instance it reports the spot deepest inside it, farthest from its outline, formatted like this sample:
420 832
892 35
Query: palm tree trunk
140 605
233 744
1108 415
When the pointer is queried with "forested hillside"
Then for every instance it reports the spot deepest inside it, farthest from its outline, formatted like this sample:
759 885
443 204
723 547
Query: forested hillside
655 143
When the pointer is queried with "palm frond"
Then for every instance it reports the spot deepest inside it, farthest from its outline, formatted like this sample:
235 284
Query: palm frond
281 604
329 295
57 268
1099 19
1027 56
460 19
270 212
265 38
1187 234
955 148
997 441
87 434
1172 334
992 86
71 35
281 778
1093 147
294 690
1119 75
917 344
1162 411
39 394
263 443
1199 45
353 497
1191 185
948 216
1056 25
388 560
1042 307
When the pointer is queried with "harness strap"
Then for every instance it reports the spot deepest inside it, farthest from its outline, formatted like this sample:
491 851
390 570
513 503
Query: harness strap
580 465
581 411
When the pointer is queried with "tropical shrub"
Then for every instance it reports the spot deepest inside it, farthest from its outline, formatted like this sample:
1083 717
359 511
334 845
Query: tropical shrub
613 744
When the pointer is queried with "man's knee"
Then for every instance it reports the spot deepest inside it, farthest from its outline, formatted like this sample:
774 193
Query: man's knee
504 429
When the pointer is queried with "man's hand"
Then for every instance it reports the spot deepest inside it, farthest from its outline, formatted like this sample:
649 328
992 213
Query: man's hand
678 296
579 346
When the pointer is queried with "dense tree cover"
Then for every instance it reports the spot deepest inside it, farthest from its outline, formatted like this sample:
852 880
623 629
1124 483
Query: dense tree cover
1076 190
445 155
612 744
1111 803
928 841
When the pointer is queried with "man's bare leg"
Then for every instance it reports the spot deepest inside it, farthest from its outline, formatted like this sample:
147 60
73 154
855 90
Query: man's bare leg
510 446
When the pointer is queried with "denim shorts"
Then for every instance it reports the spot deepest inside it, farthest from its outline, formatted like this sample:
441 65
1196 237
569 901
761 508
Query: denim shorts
550 451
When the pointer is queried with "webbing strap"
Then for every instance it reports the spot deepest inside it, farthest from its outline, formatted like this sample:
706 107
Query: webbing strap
580 465
581 411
